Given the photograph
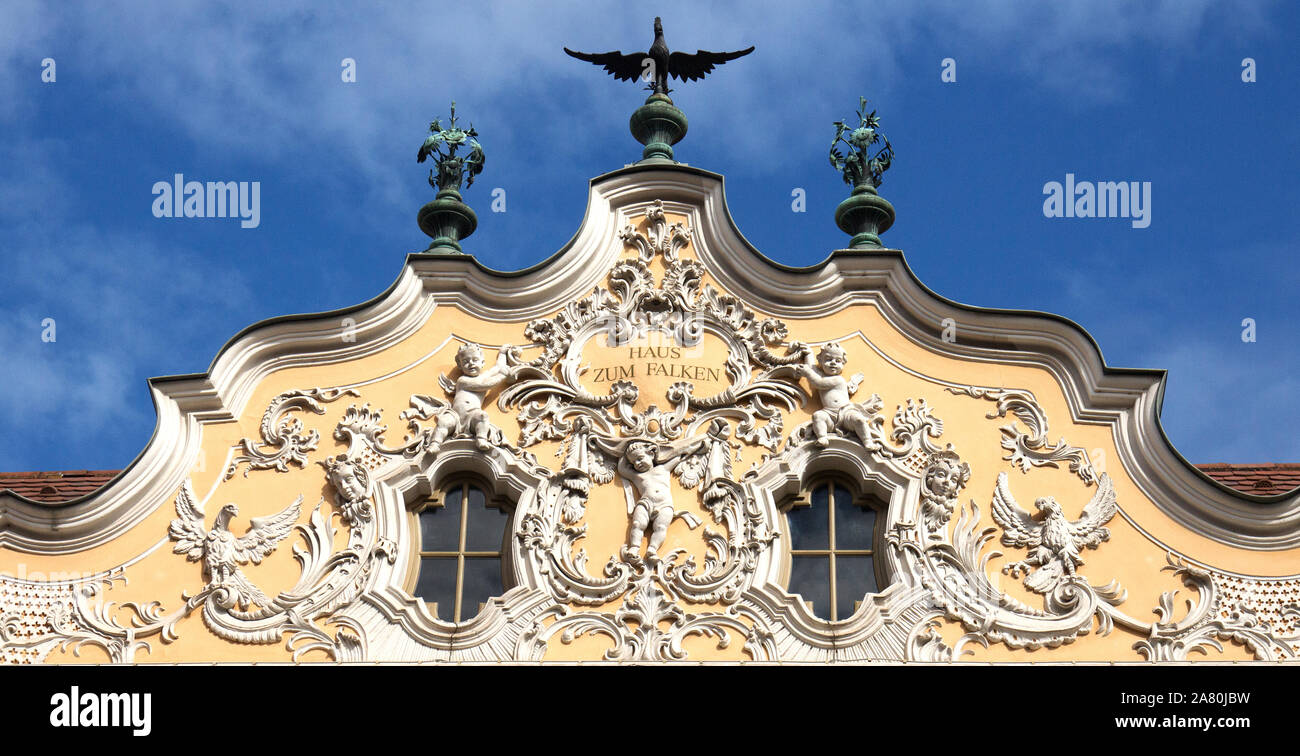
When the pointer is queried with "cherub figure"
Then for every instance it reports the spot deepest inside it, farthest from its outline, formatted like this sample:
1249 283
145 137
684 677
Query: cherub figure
838 412
648 467
465 416
351 481
945 477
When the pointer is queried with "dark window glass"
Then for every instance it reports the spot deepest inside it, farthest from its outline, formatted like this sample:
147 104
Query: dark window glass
831 552
810 574
460 553
484 527
482 581
855 577
437 585
854 526
810 526
440 526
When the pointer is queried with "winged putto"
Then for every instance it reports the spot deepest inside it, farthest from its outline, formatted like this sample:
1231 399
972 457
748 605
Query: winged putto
646 466
464 415
1053 541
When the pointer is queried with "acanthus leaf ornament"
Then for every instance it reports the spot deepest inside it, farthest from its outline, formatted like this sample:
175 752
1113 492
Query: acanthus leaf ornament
663 239
1032 448
353 603
1210 619
278 429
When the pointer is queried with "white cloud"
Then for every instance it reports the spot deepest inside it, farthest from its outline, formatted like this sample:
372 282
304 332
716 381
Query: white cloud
88 384
260 86
264 80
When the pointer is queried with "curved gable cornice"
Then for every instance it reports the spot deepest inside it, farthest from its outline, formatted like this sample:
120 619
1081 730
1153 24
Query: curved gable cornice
1127 399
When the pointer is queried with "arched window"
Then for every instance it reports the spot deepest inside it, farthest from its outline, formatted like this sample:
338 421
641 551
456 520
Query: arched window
461 539
832 551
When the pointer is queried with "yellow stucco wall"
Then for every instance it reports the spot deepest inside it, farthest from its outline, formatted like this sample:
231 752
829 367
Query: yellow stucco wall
413 367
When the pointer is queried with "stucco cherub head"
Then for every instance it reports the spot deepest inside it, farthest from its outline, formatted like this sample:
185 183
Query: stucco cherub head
641 455
946 476
469 358
831 359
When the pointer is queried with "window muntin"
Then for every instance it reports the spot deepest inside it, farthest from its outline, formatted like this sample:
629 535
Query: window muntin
460 552
832 555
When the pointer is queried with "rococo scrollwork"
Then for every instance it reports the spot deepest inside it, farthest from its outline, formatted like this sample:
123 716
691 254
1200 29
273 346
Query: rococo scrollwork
651 597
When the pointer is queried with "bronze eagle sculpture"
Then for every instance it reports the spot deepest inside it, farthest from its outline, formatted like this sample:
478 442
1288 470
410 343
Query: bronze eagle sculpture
658 63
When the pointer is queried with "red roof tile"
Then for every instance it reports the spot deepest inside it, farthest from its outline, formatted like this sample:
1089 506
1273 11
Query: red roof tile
55 486
1263 479
62 485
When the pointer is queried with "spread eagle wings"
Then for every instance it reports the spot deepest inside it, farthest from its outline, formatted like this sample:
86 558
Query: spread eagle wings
1020 529
622 67
1089 530
1018 526
687 67
187 529
265 533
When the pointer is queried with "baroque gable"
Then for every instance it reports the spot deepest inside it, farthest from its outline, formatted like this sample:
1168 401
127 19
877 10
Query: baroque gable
646 407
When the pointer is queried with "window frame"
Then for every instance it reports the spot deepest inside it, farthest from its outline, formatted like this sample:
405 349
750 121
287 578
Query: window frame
859 498
436 500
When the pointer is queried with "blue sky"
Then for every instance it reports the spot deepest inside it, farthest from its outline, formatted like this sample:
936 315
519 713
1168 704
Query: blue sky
252 92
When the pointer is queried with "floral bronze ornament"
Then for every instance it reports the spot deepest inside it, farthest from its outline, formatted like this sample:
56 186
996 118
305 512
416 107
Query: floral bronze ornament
448 219
859 164
864 214
442 145
787 405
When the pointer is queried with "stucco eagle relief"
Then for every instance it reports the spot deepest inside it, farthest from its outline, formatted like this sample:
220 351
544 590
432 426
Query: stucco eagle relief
702 418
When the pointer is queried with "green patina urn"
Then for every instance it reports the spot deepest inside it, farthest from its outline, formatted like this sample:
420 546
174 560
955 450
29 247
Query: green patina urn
865 215
448 220
658 124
